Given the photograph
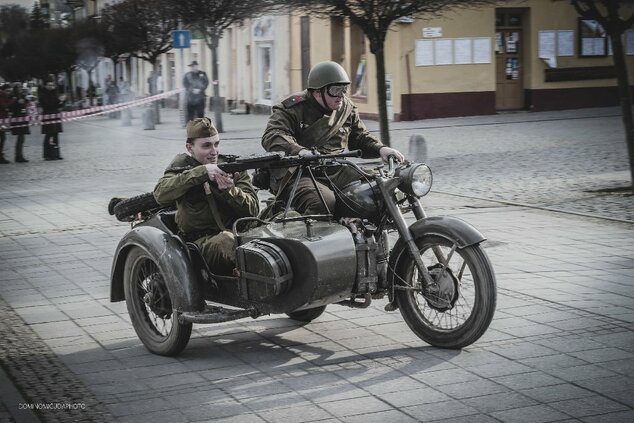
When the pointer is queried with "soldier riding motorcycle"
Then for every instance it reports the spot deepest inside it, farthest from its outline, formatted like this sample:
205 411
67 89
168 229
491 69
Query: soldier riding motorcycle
436 272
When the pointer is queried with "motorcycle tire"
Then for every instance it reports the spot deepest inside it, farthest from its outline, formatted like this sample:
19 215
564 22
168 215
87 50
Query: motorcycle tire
150 307
307 315
469 273
125 209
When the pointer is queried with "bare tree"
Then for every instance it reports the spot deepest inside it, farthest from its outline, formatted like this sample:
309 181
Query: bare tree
607 13
374 18
14 24
147 26
212 18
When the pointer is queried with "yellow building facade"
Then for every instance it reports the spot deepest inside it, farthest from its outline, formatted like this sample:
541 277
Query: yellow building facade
528 55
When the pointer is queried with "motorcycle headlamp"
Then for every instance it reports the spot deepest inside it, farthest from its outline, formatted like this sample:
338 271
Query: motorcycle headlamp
416 180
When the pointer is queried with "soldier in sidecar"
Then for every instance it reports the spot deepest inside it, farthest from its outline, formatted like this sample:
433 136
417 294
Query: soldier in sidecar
208 200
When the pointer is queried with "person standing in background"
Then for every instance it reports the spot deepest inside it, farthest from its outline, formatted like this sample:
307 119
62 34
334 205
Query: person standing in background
51 104
124 90
19 109
112 92
5 102
195 83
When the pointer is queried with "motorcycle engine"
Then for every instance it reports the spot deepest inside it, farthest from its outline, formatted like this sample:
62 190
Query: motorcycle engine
371 256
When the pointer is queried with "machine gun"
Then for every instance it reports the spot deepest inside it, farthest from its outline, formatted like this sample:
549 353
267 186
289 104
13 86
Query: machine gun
233 163
127 209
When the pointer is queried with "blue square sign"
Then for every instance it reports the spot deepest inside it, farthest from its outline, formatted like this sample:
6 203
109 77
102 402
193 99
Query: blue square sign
181 39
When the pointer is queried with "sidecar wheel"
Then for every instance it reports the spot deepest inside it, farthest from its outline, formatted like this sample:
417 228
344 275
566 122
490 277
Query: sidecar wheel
125 209
150 307
458 310
307 315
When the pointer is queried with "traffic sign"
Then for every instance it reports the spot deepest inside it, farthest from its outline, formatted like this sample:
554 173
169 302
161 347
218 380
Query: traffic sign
181 39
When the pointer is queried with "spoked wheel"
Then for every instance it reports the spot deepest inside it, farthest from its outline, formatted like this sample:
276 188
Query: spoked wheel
307 315
150 306
457 308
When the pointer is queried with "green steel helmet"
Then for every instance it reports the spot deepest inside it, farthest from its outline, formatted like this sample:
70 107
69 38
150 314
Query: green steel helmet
327 73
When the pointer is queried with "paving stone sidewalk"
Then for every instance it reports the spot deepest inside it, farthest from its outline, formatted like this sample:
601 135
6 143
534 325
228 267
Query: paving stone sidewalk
560 347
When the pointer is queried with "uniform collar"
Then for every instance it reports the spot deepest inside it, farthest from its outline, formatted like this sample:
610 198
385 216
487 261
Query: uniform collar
313 102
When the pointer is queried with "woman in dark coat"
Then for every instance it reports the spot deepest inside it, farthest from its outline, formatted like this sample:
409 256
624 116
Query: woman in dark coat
5 102
51 105
18 109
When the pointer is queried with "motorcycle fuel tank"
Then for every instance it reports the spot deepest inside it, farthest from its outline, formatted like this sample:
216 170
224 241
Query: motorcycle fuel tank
322 257
359 199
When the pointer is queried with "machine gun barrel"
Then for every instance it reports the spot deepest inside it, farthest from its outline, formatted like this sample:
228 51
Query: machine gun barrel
276 162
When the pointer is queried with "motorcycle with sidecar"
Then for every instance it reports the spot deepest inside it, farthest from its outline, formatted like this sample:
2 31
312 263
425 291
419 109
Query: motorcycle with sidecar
436 272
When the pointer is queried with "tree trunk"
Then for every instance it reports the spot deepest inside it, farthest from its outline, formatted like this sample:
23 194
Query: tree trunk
154 87
625 97
379 56
216 106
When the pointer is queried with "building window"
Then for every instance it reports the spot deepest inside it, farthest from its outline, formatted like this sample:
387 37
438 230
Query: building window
593 40
265 73
358 61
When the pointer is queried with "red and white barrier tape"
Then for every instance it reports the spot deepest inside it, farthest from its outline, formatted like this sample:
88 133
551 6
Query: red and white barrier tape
34 120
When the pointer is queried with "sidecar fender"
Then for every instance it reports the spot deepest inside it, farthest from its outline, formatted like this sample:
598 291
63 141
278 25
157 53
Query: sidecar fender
451 228
172 259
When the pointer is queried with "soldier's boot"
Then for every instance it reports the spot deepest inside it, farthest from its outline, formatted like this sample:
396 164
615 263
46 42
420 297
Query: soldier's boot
2 159
19 150
46 147
55 153
55 149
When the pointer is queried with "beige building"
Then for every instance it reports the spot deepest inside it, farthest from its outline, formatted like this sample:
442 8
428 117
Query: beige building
528 55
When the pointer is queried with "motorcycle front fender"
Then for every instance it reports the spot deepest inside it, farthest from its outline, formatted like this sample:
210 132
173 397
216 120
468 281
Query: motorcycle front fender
451 228
172 260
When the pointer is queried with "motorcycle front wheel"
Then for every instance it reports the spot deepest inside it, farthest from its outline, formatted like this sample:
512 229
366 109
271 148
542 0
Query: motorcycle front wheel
457 309
150 307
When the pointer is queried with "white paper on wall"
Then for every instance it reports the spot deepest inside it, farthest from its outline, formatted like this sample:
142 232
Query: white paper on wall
482 50
424 53
462 51
443 52
565 43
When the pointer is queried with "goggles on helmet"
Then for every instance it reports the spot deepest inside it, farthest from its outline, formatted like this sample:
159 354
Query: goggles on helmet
337 90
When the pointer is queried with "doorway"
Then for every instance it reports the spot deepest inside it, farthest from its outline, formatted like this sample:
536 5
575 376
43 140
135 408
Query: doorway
509 58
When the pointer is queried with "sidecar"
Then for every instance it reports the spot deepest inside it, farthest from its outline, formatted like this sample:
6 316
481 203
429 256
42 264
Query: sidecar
295 266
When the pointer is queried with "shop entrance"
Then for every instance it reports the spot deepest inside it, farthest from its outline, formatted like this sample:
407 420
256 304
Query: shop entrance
509 58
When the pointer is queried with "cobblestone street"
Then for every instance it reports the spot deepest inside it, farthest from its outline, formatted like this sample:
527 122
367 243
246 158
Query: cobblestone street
560 347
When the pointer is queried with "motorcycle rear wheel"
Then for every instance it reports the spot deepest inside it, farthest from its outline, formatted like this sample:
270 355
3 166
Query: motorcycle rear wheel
460 311
307 315
150 306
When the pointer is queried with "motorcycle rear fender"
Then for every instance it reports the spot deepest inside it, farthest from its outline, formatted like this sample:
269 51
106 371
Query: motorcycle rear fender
173 261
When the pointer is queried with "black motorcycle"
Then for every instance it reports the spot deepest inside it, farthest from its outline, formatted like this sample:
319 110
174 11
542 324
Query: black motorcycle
436 273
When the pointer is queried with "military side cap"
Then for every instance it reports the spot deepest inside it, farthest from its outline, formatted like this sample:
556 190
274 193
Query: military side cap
201 128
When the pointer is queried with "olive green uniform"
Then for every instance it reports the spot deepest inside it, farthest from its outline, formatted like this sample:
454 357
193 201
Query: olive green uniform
186 183
301 122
